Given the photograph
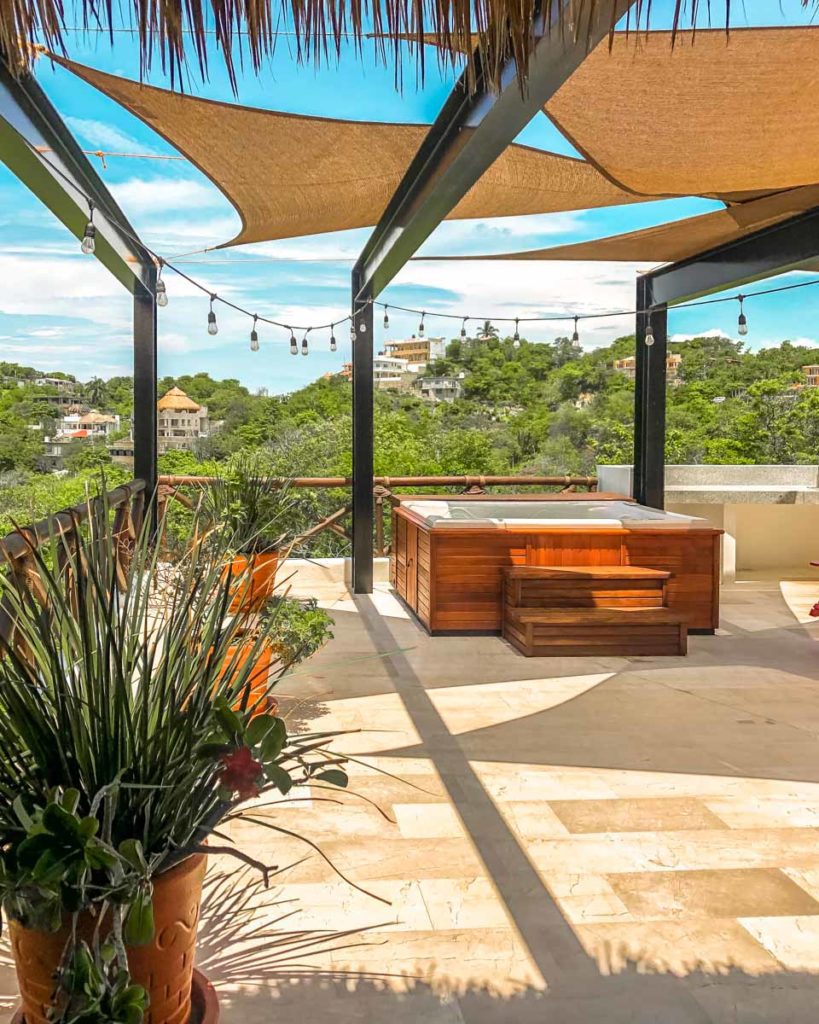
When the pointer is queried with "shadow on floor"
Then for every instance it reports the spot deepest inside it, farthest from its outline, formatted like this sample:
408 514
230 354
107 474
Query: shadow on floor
262 971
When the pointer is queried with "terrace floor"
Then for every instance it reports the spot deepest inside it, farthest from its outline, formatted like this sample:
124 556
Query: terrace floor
563 840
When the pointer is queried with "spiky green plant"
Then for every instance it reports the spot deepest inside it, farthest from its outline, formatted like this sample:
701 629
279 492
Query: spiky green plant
251 508
128 731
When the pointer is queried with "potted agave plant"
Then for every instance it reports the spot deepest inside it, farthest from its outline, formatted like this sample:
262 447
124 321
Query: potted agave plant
249 508
125 744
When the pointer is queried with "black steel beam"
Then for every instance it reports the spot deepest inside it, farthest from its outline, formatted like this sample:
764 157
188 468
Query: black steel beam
145 381
362 569
474 128
789 245
649 398
62 176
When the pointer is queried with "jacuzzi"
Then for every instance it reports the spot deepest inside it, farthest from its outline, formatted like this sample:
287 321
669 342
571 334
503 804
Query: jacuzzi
487 514
448 552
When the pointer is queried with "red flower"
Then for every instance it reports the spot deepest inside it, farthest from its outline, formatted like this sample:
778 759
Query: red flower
240 773
815 611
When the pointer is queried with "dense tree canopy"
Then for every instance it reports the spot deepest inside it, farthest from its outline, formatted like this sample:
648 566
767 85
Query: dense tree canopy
525 408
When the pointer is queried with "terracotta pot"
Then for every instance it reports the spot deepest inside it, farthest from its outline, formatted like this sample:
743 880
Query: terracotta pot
258 678
164 967
254 589
204 1002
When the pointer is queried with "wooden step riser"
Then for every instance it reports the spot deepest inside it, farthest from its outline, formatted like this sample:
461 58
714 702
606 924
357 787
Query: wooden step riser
618 651
609 600
579 647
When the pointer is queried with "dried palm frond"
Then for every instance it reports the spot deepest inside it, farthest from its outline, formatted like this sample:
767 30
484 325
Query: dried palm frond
178 31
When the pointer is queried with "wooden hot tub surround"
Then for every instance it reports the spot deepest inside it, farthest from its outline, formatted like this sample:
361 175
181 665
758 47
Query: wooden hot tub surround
452 578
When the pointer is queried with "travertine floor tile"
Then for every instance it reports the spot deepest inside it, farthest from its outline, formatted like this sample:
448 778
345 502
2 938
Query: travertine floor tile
794 941
678 947
696 894
650 814
456 903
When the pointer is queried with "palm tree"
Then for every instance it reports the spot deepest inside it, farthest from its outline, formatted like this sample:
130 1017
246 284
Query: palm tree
96 391
487 331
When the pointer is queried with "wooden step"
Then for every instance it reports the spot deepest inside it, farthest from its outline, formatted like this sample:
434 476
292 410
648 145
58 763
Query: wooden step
585 632
595 572
592 586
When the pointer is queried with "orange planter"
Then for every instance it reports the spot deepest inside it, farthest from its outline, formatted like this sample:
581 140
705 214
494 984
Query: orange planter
164 967
254 588
258 678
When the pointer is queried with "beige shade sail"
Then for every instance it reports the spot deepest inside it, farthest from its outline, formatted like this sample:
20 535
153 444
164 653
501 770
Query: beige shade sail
289 175
667 243
709 113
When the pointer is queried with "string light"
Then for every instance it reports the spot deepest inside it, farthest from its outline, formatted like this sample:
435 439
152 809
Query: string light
575 333
742 321
294 345
254 336
386 319
161 291
421 326
89 238
649 338
88 246
304 349
516 338
213 327
333 343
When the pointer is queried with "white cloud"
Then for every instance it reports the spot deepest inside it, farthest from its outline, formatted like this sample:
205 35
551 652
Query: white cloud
711 332
100 135
533 289
159 195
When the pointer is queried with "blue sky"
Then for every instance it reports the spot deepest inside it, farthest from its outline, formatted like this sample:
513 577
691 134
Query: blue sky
60 310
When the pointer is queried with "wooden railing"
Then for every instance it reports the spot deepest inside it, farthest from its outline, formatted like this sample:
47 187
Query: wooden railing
384 496
127 503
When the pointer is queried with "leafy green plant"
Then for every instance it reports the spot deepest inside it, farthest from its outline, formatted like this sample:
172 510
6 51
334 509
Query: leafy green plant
297 628
248 505
128 731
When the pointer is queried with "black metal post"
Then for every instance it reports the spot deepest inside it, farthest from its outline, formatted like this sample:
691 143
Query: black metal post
145 379
362 574
649 398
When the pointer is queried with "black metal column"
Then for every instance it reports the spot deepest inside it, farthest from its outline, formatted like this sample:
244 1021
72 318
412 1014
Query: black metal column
362 574
145 379
649 399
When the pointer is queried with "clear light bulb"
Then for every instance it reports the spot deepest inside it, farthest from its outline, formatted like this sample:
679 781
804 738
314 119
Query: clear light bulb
362 327
421 326
254 341
386 320
161 293
304 345
575 334
516 338
742 324
213 327
352 333
89 239
333 343
649 338
294 345
463 329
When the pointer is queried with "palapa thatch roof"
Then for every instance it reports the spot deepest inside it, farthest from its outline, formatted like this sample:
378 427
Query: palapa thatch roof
176 400
178 32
